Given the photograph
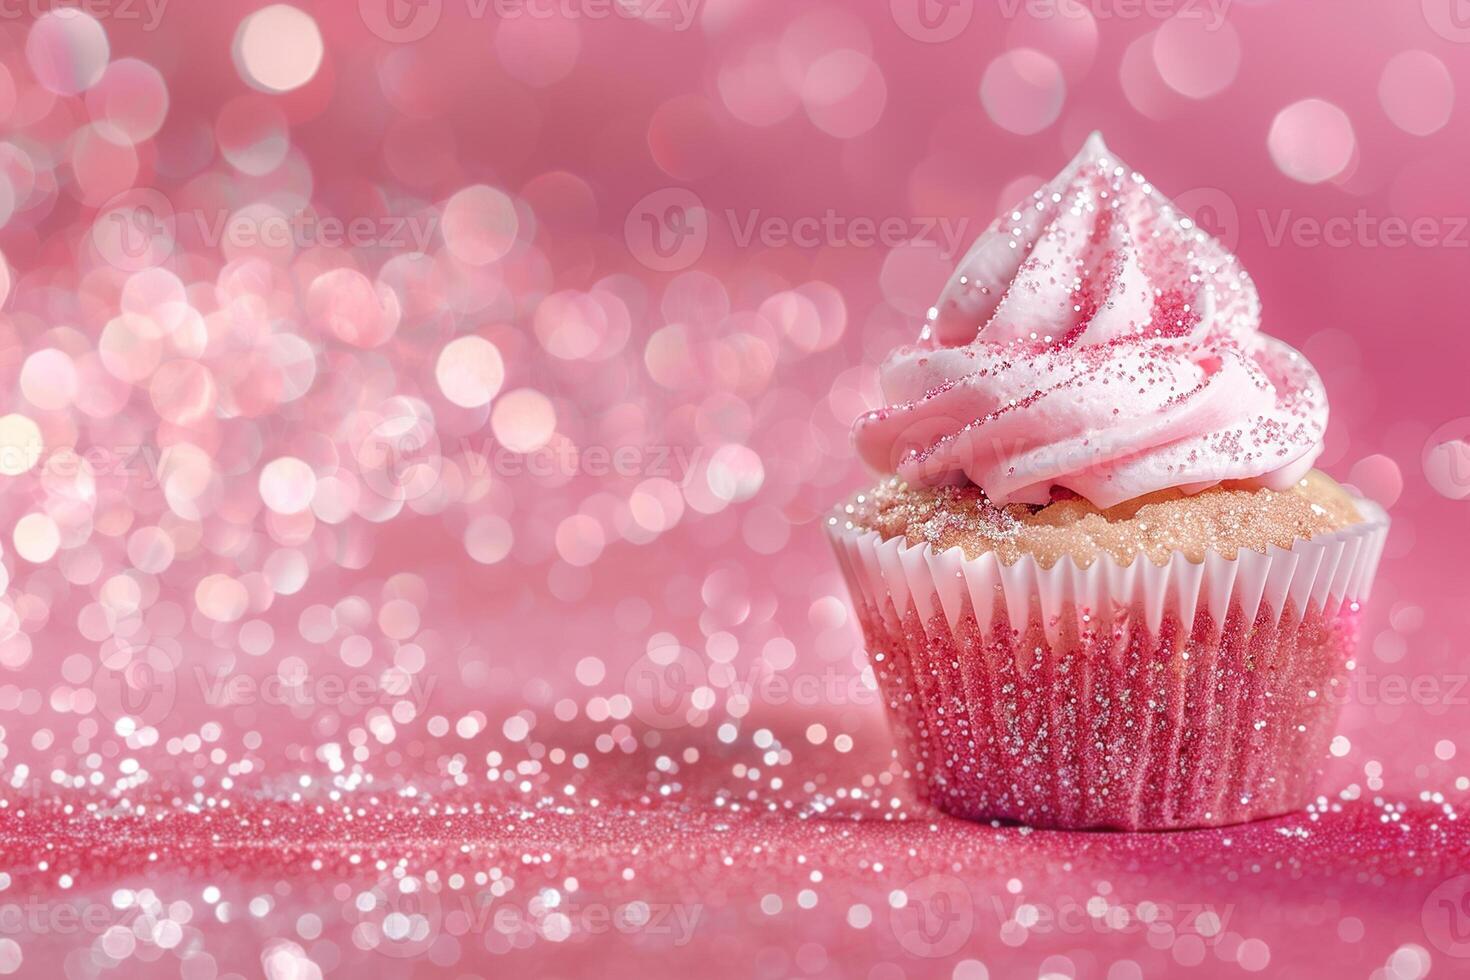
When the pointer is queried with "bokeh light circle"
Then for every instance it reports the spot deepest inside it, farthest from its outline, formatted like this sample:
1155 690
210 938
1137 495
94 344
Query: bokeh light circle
67 50
1023 91
1195 57
1069 35
1312 141
1417 92
469 371
21 444
129 102
350 306
287 485
278 48
844 93
1379 477
535 49
523 420
48 379
480 224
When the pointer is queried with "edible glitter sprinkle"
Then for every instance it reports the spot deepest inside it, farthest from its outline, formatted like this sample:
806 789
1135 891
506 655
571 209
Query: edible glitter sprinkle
1095 339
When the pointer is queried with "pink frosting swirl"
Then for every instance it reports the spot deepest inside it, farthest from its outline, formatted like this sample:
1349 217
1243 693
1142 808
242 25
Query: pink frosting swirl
1095 339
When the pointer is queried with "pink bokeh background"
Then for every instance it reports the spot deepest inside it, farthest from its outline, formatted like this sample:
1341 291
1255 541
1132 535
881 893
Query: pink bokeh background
531 451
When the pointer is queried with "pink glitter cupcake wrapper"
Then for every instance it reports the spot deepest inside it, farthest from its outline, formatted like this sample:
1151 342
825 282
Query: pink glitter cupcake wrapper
1135 697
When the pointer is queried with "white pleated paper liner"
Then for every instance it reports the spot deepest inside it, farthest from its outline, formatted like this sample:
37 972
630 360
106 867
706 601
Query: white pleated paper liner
1324 571
1138 697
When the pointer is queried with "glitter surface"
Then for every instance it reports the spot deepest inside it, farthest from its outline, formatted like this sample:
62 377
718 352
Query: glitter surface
418 423
754 856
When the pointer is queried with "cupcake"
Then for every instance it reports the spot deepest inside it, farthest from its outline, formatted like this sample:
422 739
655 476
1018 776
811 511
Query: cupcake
1101 585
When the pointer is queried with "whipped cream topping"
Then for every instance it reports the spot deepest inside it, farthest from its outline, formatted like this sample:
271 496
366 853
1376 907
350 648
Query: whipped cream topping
1095 339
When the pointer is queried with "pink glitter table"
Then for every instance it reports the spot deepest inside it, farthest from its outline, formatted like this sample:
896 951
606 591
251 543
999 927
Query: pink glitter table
766 856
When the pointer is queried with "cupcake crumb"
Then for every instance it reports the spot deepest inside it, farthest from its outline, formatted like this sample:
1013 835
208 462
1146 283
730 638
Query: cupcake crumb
1223 519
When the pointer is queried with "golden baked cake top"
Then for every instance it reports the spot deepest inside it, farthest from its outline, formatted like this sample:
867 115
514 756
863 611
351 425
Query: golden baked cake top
1222 519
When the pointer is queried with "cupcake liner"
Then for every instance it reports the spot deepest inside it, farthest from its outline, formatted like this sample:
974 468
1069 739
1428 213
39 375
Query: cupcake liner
1138 697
